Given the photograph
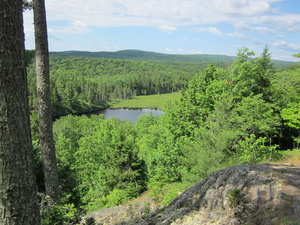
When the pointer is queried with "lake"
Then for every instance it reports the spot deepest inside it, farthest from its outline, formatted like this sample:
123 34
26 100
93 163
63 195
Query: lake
127 114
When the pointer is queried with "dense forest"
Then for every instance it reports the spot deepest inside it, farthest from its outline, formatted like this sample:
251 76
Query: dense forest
83 84
246 112
83 81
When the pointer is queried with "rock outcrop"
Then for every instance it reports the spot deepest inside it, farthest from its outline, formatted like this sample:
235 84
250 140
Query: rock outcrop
118 214
246 194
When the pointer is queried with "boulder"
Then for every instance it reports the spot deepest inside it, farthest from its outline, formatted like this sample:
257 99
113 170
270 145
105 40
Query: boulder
245 194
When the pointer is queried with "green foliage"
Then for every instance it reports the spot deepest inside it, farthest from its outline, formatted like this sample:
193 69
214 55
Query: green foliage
27 5
286 87
97 157
235 196
90 221
165 193
115 197
297 55
83 84
148 56
197 101
256 116
158 149
290 156
252 76
29 54
146 101
240 114
292 115
60 215
254 150
200 158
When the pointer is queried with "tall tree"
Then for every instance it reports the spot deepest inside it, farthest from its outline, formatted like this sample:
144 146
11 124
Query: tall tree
263 73
44 101
18 192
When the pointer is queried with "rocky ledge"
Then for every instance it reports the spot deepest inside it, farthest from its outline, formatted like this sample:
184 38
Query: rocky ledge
246 194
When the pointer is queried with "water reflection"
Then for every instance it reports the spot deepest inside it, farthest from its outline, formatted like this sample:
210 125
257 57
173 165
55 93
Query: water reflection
127 114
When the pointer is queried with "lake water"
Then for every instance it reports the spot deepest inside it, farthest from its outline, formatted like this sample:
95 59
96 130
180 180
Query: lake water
127 114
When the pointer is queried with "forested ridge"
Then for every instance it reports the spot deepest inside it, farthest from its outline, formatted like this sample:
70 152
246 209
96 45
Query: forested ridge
247 112
204 59
147 56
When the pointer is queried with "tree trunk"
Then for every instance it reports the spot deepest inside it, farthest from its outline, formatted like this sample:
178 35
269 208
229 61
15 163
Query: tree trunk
18 192
44 101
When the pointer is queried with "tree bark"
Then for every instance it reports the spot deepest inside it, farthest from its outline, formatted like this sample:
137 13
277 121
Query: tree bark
44 101
18 192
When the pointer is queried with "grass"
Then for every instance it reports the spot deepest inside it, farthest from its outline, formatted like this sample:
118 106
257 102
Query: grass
290 156
146 101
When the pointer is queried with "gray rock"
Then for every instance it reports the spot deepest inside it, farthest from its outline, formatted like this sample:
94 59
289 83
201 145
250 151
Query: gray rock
246 194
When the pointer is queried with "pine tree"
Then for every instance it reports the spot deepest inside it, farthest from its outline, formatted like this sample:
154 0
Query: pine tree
18 192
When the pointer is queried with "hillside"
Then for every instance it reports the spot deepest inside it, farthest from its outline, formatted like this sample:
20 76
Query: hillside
246 194
145 55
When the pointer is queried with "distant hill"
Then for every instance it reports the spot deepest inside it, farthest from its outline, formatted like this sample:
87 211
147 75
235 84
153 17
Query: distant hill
146 55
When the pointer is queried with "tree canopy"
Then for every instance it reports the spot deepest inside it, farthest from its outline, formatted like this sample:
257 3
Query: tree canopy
247 112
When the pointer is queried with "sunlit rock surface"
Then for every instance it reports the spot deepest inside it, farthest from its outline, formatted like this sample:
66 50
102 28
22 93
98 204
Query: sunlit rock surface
247 194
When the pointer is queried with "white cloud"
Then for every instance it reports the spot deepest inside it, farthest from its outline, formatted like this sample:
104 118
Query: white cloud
236 35
281 21
167 28
285 45
28 23
193 51
242 36
181 50
294 28
257 16
215 31
75 27
242 7
196 51
157 13
53 34
212 30
280 36
262 30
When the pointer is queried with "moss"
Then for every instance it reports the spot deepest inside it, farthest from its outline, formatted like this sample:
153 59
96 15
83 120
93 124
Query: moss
235 196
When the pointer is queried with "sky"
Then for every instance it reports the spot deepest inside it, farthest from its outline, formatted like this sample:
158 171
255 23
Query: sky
172 26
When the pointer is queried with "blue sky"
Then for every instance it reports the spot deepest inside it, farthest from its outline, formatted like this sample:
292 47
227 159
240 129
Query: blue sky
172 26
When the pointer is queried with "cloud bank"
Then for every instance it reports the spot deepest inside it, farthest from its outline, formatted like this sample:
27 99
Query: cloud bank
169 14
263 17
